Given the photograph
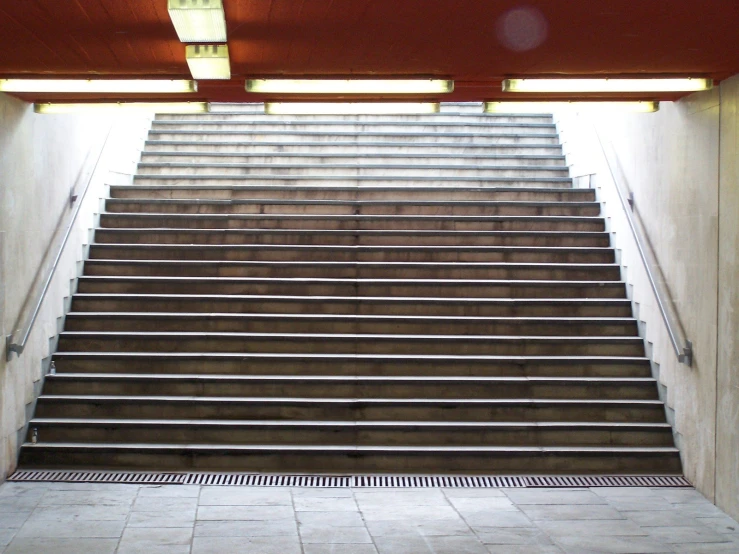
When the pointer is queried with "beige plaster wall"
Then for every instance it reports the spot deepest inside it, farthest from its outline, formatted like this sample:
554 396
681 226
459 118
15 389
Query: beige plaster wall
40 159
681 166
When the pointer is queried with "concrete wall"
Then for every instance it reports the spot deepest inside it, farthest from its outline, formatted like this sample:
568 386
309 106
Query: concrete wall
681 164
41 157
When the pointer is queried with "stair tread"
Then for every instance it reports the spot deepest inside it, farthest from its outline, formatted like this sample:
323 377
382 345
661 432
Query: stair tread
347 217
358 448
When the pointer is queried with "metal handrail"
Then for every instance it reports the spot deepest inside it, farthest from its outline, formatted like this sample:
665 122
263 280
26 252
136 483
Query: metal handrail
680 343
16 342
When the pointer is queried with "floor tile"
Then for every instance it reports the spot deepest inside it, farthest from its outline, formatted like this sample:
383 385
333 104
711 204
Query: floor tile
184 491
523 536
523 549
503 518
169 541
617 527
61 546
334 519
324 504
165 504
320 534
269 528
245 496
162 519
411 527
583 544
339 549
685 534
243 545
256 513
89 529
538 512
553 496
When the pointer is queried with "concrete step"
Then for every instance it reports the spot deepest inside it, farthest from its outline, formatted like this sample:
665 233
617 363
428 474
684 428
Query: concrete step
356 387
365 433
358 288
379 409
245 363
338 194
186 215
205 200
425 129
294 252
333 237
421 146
217 180
354 270
387 158
459 307
360 169
453 117
347 323
348 343
347 459
335 138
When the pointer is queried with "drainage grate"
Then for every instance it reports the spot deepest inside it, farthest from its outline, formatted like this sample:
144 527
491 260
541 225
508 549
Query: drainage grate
356 481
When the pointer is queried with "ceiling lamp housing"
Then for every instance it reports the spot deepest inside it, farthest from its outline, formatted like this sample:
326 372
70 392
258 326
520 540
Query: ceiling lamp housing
94 86
198 20
151 107
607 85
351 108
208 61
349 86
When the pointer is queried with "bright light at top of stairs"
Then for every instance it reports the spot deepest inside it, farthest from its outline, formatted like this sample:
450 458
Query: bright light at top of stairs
548 107
208 61
198 20
124 86
350 86
324 108
607 85
151 107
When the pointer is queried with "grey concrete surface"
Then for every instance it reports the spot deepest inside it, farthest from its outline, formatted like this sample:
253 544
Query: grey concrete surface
73 518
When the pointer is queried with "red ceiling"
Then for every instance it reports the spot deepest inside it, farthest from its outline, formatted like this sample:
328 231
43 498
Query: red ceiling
475 42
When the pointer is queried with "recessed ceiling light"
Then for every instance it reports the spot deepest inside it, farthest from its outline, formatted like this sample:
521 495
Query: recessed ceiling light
198 20
322 108
548 107
208 61
124 86
349 86
155 107
607 85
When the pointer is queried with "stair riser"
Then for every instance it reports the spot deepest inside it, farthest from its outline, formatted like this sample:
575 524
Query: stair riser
350 271
325 211
451 289
386 367
351 254
330 158
473 308
473 116
319 171
188 219
364 194
348 411
135 236
349 435
324 325
427 128
215 180
506 463
304 389
331 345
334 138
191 144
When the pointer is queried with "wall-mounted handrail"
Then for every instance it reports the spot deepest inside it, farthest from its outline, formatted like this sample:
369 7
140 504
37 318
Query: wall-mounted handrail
680 343
16 341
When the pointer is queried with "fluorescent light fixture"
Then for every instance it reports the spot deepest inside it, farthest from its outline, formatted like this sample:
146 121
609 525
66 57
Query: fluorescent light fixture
549 107
607 85
349 86
155 107
114 86
208 61
326 108
198 20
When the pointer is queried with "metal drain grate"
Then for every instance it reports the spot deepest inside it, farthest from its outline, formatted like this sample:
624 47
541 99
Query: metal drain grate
355 481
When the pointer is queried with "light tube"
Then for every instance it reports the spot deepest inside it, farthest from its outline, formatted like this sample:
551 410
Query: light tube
607 85
349 86
548 107
155 107
198 20
114 86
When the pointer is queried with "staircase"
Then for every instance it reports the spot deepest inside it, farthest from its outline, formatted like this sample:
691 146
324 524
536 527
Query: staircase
352 294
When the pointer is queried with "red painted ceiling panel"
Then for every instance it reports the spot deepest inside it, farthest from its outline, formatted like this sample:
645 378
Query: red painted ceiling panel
475 42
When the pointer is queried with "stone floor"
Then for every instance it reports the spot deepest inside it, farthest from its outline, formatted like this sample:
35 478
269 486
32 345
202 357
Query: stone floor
78 519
